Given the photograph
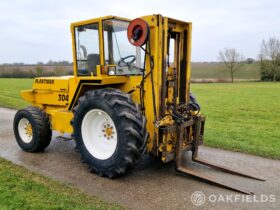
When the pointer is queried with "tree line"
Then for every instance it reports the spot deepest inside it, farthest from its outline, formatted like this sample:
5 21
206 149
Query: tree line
40 63
36 71
268 59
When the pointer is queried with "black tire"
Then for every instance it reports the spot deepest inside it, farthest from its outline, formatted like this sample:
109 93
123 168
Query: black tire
130 128
194 105
192 98
41 131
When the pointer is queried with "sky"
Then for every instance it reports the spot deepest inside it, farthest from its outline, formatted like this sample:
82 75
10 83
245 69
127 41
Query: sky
33 31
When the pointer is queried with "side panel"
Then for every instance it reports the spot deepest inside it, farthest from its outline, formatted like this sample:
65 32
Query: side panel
79 85
49 97
60 120
49 91
51 83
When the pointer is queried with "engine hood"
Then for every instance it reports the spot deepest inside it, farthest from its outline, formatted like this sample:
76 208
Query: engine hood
51 83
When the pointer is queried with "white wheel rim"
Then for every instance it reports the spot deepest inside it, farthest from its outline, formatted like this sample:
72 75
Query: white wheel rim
99 134
24 131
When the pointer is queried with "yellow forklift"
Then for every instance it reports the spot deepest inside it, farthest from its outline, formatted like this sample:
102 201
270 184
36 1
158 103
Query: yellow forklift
129 95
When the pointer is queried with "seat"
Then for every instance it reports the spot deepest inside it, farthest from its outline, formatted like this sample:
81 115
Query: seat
92 61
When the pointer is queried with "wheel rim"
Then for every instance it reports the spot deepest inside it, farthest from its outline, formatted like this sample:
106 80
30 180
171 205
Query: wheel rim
25 130
99 134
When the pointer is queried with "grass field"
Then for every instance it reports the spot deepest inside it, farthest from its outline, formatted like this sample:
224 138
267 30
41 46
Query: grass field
22 189
218 71
243 117
10 92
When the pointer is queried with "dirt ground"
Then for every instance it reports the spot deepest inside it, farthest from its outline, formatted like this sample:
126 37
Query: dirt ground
152 185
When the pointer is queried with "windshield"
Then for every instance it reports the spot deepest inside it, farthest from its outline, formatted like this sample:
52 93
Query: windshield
118 50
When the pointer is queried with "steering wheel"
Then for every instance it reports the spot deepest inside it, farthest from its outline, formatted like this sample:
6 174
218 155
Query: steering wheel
127 61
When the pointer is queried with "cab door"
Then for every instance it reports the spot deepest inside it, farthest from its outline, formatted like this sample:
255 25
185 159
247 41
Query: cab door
87 49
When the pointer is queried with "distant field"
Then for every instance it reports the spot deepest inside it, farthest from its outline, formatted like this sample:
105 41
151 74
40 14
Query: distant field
241 116
31 71
199 70
218 71
33 68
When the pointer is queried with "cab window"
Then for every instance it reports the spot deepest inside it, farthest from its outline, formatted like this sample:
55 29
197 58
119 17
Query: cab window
87 49
118 51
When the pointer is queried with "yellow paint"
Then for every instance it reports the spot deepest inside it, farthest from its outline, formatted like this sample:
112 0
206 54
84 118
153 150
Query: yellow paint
29 130
60 120
108 131
58 95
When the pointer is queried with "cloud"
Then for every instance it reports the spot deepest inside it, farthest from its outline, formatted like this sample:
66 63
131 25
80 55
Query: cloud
34 31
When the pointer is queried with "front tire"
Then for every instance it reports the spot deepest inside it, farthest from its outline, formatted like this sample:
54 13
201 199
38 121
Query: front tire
110 131
32 129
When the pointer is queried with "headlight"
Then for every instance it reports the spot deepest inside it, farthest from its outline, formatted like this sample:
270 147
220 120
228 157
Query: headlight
111 70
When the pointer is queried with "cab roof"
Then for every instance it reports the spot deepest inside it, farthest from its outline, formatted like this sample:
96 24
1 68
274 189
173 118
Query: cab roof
85 22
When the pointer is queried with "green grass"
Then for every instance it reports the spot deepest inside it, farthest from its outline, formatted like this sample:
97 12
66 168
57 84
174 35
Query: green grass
218 71
242 117
22 189
10 92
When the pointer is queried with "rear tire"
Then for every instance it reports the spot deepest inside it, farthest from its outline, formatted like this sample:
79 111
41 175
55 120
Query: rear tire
193 98
32 129
195 106
110 131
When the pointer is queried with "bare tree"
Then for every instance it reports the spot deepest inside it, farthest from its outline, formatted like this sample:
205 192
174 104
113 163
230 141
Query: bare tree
270 57
232 59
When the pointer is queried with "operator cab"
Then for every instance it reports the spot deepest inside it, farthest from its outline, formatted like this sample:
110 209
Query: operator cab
103 44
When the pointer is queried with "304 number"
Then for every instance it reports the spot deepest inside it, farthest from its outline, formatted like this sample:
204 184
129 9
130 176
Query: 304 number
62 97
